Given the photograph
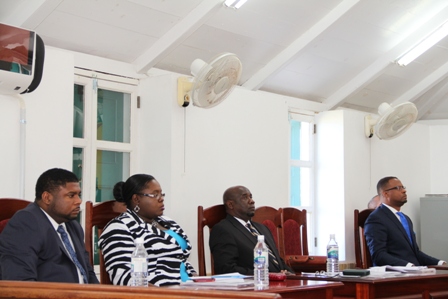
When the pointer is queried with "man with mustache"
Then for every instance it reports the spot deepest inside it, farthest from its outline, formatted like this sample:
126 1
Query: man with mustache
231 241
390 236
44 241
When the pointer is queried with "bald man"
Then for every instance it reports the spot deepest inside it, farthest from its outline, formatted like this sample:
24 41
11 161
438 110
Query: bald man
231 241
374 202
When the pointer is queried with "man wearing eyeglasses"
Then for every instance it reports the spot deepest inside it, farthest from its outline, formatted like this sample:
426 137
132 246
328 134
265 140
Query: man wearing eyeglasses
389 233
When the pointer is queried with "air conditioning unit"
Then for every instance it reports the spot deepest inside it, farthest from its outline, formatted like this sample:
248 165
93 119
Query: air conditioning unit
22 54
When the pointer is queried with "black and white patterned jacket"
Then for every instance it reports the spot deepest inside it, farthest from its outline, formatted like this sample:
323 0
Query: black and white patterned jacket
165 254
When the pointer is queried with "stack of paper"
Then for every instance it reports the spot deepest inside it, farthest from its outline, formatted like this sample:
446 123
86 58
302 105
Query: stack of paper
230 281
391 270
416 269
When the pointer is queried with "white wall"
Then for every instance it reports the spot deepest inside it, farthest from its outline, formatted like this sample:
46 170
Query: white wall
330 180
49 114
349 171
406 157
343 177
197 153
357 166
438 158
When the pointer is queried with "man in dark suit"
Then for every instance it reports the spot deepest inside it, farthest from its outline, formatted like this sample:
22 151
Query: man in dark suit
231 242
390 236
44 242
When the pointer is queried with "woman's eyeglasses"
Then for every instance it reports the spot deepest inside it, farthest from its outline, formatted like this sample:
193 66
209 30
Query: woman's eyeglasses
156 196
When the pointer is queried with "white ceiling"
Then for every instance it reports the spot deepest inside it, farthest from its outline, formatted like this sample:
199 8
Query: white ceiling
339 53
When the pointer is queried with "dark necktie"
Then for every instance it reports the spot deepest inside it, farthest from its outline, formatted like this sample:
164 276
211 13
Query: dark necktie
255 233
71 252
405 224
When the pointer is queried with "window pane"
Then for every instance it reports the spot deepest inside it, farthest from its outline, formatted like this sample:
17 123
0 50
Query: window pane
77 162
300 140
113 116
77 169
111 167
300 186
78 111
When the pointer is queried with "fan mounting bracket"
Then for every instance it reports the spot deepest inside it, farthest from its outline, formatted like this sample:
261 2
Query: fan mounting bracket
369 124
184 86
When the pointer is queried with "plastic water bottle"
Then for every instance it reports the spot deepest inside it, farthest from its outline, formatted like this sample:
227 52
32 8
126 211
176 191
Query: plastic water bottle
332 256
139 265
261 265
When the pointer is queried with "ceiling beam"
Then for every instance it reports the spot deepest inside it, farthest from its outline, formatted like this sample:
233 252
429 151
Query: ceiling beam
289 53
433 100
176 35
374 70
423 86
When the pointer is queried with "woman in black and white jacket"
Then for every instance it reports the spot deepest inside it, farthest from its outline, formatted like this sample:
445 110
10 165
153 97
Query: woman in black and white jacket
166 243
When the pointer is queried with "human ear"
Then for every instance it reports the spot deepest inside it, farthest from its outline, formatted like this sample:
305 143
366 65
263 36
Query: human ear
47 197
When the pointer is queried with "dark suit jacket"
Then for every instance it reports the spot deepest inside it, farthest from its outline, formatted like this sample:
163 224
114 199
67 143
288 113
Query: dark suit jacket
232 246
388 242
31 249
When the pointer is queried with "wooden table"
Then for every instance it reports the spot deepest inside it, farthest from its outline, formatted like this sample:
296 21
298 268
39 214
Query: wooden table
50 290
426 286
286 289
54 290
304 289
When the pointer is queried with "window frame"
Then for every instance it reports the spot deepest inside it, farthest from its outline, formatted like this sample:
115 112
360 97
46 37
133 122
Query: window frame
92 81
304 116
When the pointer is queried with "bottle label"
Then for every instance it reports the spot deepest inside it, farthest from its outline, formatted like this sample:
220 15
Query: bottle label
139 265
333 253
261 259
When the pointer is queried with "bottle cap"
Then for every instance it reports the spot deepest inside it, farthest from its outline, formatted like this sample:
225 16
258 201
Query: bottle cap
331 236
260 237
139 241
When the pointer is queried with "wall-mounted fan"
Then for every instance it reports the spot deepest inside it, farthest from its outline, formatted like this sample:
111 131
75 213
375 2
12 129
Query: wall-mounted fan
212 81
393 121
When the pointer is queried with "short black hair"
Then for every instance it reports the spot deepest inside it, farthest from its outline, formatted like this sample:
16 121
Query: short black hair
383 182
52 179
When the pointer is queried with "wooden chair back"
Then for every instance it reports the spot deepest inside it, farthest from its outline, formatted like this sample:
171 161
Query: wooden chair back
272 218
207 217
362 253
295 235
8 207
295 240
97 216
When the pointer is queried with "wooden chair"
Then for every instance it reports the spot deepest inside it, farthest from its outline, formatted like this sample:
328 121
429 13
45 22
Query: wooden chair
97 216
295 242
272 218
207 217
8 207
362 253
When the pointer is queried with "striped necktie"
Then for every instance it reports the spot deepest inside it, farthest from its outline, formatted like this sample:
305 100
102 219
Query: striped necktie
71 252
405 224
255 233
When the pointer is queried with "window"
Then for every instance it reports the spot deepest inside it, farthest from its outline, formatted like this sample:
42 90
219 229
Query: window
301 178
103 120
